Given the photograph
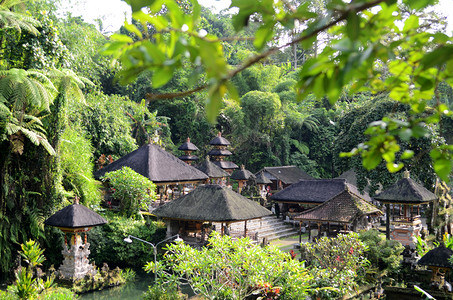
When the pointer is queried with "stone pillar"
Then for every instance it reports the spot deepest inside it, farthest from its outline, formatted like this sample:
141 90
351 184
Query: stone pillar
75 263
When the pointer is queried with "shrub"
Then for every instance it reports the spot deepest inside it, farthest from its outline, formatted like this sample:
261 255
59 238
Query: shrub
133 190
30 286
107 242
336 263
382 253
234 269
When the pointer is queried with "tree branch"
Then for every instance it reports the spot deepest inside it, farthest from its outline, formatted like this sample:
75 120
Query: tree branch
257 58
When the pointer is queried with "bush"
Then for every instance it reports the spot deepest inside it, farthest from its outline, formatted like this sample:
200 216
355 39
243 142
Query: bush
132 190
383 254
77 164
336 263
107 242
157 292
30 286
234 269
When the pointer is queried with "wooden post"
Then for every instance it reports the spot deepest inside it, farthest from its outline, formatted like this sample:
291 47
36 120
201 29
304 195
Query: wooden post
300 232
328 228
309 231
387 221
245 228
319 230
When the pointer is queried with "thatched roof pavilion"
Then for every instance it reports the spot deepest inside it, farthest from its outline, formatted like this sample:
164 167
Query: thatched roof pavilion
156 164
343 208
316 191
405 194
406 191
242 175
437 257
262 179
213 203
208 203
219 140
219 152
284 176
73 217
188 148
214 172
438 261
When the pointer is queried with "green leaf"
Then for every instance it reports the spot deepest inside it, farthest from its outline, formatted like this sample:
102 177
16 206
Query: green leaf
121 38
161 76
392 167
132 28
411 23
419 4
442 167
438 56
407 154
263 35
214 103
371 159
137 5
353 25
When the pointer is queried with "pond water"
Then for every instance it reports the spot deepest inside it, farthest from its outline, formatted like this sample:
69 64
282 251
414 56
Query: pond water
130 291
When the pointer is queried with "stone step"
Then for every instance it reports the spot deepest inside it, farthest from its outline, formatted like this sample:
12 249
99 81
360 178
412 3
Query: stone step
269 227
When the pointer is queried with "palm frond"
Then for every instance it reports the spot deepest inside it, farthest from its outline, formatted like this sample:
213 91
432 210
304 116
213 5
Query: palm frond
17 20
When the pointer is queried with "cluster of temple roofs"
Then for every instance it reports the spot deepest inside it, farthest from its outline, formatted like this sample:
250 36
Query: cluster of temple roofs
201 196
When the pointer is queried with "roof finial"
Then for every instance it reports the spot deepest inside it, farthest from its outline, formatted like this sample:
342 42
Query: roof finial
242 167
188 139
219 134
407 174
76 199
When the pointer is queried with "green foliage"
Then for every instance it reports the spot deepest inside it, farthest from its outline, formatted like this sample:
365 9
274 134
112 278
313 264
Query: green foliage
382 253
234 269
336 262
77 165
107 243
10 18
104 120
23 96
27 286
132 190
351 60
29 50
158 292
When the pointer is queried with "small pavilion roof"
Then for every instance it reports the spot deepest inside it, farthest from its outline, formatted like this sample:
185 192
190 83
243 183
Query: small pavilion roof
156 164
188 146
343 208
316 191
220 152
225 164
437 257
242 174
188 157
212 203
211 169
219 141
262 179
75 216
287 174
406 191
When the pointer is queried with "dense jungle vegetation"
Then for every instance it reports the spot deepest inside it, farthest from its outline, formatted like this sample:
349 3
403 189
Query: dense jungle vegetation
66 108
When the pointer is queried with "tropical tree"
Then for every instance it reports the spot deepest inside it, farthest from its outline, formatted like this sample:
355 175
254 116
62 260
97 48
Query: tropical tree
24 95
361 39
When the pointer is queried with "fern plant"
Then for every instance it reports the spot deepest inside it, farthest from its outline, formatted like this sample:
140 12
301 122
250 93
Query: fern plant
17 20
24 95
